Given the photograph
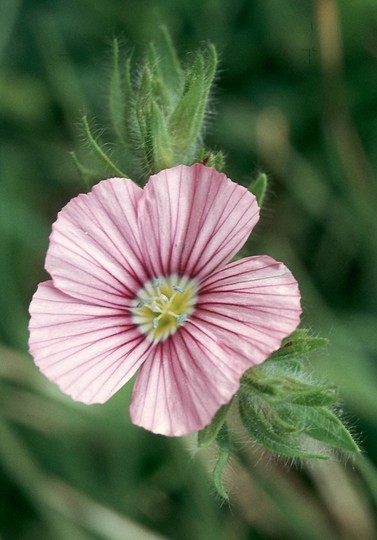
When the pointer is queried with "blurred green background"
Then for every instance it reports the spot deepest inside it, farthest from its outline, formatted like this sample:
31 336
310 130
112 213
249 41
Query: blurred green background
295 97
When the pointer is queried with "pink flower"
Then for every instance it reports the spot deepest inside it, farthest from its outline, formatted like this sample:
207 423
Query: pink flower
140 282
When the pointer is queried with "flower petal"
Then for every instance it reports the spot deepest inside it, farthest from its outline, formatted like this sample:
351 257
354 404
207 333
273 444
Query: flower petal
250 305
193 220
88 351
184 382
94 246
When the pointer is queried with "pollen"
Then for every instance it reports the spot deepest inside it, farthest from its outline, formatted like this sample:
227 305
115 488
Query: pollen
164 305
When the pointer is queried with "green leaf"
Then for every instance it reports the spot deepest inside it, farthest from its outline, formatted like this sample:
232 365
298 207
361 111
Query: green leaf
129 101
143 104
169 64
88 176
159 91
281 409
116 97
186 121
128 88
284 387
322 425
312 397
162 147
266 431
223 442
157 115
97 150
298 344
134 140
258 188
208 435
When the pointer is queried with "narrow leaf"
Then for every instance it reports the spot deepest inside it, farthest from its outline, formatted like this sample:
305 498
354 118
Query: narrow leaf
143 117
208 435
97 150
143 102
116 98
258 188
284 387
323 425
134 140
263 433
223 443
152 56
88 176
186 121
298 344
162 147
316 397
128 88
169 64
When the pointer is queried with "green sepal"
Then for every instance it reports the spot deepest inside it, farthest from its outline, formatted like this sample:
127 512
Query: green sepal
258 188
223 444
116 96
134 150
162 146
143 105
298 344
186 121
322 425
279 386
160 91
271 431
157 112
129 117
168 66
286 411
127 86
208 435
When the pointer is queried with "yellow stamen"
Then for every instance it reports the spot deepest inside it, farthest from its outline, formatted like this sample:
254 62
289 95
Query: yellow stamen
163 305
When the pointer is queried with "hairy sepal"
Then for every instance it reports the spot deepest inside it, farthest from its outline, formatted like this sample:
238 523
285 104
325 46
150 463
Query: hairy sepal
157 112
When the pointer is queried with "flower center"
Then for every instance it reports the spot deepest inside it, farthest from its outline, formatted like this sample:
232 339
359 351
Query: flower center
163 305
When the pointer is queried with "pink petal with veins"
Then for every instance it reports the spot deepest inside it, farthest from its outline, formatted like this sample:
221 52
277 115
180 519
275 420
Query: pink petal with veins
89 351
184 382
250 305
193 220
94 252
